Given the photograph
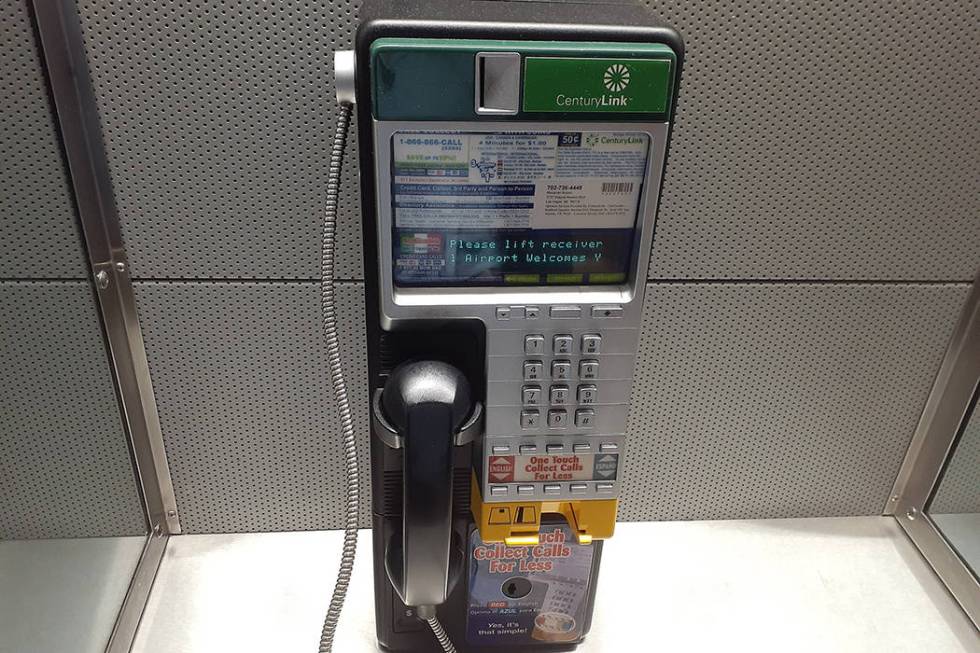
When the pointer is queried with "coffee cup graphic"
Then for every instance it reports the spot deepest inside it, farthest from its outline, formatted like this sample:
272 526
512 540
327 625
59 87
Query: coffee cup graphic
554 627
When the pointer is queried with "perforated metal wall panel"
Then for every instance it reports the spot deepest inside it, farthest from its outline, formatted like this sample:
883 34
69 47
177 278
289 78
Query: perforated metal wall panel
823 140
246 407
817 141
770 400
218 119
39 233
64 461
959 490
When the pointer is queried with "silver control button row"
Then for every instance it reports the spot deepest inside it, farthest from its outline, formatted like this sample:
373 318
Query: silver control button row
518 312
550 488
557 312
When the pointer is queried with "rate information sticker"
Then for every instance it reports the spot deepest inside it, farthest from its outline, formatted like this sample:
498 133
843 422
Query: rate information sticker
559 467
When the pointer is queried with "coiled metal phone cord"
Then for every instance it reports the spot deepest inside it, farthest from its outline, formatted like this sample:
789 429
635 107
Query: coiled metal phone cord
441 635
328 311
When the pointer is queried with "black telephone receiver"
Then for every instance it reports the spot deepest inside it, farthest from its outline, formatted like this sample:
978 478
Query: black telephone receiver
425 409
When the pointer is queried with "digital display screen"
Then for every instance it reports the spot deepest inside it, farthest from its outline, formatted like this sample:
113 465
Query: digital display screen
515 208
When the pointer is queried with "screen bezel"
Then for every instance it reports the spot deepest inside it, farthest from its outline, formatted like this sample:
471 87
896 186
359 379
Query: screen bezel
622 263
393 296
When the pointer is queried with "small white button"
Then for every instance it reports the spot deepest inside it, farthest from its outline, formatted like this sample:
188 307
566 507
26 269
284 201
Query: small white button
532 312
552 489
525 489
500 449
526 449
582 448
604 487
503 313
578 488
554 448
608 446
498 490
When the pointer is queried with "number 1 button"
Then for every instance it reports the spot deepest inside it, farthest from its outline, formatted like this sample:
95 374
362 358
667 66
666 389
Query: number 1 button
533 344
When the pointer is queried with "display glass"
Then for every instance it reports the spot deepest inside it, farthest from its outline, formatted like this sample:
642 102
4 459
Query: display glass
515 208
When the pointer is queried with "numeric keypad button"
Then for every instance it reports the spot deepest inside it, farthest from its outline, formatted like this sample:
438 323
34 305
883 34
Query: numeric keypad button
585 418
562 345
531 395
591 343
561 370
559 395
588 394
533 370
533 345
557 419
530 419
588 370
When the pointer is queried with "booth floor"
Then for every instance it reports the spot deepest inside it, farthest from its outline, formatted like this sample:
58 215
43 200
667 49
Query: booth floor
839 584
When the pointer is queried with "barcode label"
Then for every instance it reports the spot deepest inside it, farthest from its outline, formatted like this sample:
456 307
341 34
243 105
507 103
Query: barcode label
617 187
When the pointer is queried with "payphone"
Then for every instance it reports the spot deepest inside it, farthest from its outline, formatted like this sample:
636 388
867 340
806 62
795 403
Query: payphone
511 159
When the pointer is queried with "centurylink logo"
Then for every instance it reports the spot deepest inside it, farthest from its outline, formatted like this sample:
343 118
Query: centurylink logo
616 77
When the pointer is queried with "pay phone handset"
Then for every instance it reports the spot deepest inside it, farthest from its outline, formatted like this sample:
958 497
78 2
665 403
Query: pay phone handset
510 175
